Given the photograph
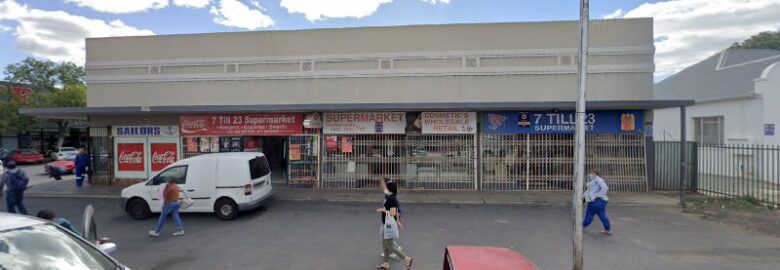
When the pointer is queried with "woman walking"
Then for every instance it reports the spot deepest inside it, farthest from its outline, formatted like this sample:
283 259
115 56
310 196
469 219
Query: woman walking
596 197
171 206
391 208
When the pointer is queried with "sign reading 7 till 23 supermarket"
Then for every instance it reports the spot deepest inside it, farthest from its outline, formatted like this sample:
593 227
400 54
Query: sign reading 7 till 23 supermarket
548 122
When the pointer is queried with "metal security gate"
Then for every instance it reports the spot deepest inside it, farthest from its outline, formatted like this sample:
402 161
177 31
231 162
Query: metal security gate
545 161
415 161
101 150
303 160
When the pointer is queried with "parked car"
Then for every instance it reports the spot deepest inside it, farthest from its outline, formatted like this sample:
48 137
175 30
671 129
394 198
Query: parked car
66 165
25 156
220 183
63 152
485 258
31 243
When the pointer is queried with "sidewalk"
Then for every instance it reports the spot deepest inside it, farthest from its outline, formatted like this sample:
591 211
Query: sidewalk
67 189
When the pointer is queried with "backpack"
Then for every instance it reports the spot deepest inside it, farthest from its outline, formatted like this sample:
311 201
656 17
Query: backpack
17 181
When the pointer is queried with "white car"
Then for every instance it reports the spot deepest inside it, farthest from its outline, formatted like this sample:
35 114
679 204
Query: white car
220 183
28 243
64 152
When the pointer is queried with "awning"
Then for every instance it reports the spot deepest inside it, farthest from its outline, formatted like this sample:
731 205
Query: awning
83 112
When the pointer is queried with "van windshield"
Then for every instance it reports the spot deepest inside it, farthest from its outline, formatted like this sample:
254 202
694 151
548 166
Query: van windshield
258 167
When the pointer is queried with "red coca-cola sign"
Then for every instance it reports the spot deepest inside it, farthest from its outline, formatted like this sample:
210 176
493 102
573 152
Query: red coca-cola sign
246 124
130 157
163 154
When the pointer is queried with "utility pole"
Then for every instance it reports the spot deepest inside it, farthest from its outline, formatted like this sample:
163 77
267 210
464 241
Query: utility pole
579 135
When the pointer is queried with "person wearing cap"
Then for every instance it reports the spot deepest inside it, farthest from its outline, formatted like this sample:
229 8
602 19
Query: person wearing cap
16 181
391 205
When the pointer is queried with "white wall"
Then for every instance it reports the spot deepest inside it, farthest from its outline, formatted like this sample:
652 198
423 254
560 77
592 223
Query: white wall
742 119
768 86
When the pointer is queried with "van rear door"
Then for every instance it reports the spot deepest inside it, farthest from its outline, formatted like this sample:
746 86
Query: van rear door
259 172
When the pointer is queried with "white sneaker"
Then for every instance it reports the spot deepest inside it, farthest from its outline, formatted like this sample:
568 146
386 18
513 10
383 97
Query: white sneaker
179 233
154 234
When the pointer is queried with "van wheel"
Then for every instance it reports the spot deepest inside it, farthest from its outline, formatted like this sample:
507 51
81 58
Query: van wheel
138 209
226 209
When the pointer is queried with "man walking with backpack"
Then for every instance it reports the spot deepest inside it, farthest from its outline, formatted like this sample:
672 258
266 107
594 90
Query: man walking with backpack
16 181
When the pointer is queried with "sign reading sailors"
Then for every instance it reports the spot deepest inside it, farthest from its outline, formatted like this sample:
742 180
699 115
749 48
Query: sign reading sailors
145 131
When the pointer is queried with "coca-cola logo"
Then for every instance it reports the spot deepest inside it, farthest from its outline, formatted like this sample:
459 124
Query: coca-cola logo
193 124
166 157
136 157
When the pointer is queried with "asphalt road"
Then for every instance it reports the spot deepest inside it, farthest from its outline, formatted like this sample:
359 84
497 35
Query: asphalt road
299 235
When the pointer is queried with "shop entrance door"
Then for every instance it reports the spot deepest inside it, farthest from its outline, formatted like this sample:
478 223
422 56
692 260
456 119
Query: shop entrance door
274 149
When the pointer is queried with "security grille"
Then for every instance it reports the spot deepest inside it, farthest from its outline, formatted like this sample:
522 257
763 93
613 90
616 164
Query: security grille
101 151
545 161
415 161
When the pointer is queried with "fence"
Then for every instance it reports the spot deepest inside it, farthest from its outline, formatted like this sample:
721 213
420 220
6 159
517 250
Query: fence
545 161
101 150
667 166
740 170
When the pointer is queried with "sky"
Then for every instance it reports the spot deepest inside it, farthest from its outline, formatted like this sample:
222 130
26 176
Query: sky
686 31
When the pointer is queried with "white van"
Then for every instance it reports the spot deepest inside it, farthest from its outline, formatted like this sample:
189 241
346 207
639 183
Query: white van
221 183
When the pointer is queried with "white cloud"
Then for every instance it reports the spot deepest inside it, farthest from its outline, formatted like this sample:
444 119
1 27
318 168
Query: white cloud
58 35
236 14
121 6
191 3
316 10
613 15
437 1
688 31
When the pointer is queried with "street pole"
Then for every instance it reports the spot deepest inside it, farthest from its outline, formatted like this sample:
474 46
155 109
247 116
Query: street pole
579 135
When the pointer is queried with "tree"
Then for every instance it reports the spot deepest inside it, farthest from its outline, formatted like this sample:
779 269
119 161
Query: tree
11 119
73 95
763 40
44 73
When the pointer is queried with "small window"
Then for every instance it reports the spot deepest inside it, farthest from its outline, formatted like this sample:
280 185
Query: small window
258 167
178 174
709 130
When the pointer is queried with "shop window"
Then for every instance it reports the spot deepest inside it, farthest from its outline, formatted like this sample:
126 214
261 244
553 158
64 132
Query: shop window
178 174
259 167
708 130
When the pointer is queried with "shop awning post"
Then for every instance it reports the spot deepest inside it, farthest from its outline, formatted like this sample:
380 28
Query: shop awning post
683 158
579 144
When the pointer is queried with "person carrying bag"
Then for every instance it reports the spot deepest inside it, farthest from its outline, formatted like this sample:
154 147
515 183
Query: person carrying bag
389 229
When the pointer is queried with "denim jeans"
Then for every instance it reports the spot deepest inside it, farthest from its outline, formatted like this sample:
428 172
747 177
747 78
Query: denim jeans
597 207
13 200
170 209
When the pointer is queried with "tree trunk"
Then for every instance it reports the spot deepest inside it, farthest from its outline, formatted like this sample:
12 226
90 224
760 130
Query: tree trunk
62 131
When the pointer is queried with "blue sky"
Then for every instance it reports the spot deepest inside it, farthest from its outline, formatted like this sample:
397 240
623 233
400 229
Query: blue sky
55 29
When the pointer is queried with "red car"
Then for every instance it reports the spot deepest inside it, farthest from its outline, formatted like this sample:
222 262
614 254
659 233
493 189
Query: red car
485 258
25 156
66 165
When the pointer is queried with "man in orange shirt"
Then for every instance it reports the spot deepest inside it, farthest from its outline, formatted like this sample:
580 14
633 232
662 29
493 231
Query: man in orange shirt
170 208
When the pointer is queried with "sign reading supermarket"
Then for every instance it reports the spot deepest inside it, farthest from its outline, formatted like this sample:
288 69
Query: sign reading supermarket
246 124
562 122
364 123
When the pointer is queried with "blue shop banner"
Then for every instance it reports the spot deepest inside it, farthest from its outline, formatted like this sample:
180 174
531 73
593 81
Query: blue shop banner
562 122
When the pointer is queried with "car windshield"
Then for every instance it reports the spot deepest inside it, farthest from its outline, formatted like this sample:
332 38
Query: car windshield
70 157
48 247
67 149
27 152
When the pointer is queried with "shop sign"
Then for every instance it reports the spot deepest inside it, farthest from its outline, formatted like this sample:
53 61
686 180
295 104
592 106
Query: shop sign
769 129
247 124
449 122
130 157
23 93
163 154
145 131
546 122
364 123
312 120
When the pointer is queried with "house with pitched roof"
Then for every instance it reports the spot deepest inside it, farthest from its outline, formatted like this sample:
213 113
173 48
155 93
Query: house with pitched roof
737 95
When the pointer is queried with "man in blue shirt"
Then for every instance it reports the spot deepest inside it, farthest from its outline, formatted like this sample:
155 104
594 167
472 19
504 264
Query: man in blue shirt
82 165
596 197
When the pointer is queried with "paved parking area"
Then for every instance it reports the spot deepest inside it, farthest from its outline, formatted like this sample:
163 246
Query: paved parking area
321 235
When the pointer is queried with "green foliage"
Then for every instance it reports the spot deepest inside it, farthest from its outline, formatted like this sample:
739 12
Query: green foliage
44 73
763 40
11 119
70 96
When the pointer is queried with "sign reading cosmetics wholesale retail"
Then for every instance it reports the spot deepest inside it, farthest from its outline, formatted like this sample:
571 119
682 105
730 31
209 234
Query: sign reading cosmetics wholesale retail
612 122
163 154
449 122
130 157
364 123
246 124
